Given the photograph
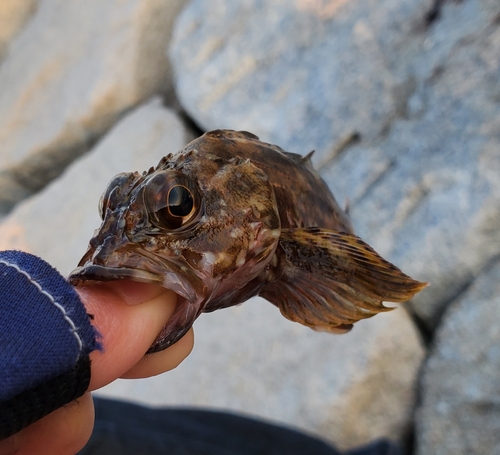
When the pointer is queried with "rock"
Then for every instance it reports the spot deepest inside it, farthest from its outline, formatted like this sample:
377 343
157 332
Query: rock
71 72
348 389
459 413
457 23
427 196
418 81
297 73
13 15
58 222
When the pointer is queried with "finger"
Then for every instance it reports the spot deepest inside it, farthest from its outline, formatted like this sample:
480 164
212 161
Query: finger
159 362
129 316
11 445
63 432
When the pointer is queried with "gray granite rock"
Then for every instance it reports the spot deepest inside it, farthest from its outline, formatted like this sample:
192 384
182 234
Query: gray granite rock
58 222
68 76
423 94
460 409
349 389
298 73
427 196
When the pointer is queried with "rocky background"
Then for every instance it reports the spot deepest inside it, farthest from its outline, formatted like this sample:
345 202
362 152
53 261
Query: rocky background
401 101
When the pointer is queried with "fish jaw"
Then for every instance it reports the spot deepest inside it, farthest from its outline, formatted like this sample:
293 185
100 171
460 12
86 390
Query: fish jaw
190 299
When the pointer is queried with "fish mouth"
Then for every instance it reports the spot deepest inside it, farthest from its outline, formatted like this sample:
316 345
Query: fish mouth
188 301
93 273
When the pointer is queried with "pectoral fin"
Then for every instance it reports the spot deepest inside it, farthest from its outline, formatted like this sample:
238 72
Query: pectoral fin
328 280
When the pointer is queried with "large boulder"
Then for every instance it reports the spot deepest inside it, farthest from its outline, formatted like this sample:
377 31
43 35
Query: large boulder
418 80
69 74
427 195
459 412
298 73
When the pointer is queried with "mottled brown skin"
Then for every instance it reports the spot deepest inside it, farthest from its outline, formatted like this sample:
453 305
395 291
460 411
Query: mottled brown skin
255 221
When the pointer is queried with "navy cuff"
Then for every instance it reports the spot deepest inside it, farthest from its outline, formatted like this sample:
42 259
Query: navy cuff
45 338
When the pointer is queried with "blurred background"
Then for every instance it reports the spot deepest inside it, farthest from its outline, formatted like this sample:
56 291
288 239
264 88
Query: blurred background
400 99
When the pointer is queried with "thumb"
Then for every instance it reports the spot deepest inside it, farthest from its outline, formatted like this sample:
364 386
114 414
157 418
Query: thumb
129 316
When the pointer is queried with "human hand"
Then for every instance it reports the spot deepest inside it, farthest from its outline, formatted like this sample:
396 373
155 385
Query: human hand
128 316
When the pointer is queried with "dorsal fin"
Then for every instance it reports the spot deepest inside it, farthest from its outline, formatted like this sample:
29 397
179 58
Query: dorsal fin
307 158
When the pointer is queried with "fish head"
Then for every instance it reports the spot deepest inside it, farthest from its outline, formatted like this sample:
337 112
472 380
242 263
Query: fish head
203 223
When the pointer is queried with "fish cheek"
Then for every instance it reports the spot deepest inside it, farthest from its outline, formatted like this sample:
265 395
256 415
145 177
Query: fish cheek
241 221
227 244
212 249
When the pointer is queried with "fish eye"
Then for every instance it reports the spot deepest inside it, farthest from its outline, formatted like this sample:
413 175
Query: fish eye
172 200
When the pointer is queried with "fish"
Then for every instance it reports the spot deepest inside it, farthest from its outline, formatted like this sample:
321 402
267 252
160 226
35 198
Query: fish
230 217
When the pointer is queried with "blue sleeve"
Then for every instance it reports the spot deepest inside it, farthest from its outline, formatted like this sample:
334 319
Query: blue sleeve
45 341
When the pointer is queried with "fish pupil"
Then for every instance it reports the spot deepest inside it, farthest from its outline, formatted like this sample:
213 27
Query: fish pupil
180 201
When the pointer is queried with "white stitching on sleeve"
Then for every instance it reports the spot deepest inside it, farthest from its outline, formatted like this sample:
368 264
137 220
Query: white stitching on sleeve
73 328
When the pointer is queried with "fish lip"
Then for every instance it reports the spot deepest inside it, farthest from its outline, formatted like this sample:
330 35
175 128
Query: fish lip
93 273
